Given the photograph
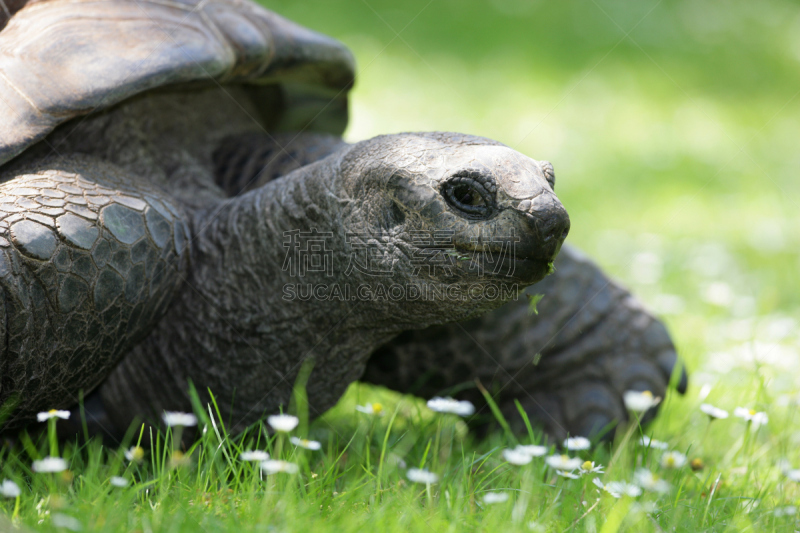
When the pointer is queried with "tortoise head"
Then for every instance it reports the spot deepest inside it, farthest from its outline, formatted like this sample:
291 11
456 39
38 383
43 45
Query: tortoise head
472 207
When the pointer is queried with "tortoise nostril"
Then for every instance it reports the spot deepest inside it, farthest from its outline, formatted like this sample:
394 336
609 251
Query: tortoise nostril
547 224
556 227
546 217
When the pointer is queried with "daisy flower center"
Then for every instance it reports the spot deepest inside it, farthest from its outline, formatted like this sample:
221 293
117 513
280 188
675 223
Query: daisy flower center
588 465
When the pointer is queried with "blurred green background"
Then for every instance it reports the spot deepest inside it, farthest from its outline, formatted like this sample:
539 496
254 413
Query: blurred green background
672 125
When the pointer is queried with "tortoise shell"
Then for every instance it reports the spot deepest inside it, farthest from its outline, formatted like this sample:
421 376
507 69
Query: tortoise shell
61 59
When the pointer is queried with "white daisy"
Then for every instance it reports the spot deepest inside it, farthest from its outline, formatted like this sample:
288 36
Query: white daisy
531 449
419 475
274 467
134 454
254 455
713 412
566 474
179 419
536 527
705 390
649 481
52 413
783 464
577 443
66 521
283 423
9 489
371 409
495 497
757 418
640 401
794 475
673 460
305 443
788 510
516 457
563 462
647 442
643 507
588 467
451 405
617 489
119 481
50 465
719 293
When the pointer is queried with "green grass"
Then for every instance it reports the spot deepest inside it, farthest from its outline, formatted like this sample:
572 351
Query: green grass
673 130
358 480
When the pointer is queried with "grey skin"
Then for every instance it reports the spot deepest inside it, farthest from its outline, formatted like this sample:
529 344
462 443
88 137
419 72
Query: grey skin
146 200
568 365
218 260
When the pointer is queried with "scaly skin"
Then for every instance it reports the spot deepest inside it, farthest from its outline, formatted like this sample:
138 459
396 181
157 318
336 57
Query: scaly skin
232 327
89 262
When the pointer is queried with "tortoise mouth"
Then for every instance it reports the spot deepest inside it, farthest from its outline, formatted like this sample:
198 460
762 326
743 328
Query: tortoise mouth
502 265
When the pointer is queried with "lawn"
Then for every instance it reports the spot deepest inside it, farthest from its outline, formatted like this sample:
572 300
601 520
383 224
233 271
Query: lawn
673 128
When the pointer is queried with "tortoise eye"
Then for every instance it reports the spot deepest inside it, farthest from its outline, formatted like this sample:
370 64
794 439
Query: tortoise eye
469 196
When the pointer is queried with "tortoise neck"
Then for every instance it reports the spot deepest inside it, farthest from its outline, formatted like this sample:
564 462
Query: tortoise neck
278 255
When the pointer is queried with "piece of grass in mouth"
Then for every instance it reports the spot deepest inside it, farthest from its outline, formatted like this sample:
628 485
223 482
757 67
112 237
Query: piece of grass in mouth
533 300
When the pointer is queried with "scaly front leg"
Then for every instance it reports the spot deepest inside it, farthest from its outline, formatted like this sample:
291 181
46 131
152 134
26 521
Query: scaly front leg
90 258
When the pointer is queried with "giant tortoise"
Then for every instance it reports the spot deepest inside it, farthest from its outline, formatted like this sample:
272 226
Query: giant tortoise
177 205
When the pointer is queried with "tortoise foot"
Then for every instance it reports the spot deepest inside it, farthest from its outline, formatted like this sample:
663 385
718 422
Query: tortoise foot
568 365
590 401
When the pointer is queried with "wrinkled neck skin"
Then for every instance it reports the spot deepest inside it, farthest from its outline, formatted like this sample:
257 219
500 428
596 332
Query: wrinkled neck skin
234 328
252 255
